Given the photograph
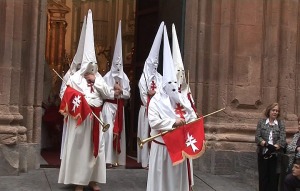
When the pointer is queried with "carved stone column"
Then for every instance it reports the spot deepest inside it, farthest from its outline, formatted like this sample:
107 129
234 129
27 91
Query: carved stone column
57 24
76 30
20 100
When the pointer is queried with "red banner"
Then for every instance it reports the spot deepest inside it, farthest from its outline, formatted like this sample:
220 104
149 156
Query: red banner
187 141
74 104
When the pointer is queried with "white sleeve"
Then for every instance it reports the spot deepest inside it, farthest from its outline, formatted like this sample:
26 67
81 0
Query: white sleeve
126 88
62 90
156 121
105 91
143 91
64 84
126 93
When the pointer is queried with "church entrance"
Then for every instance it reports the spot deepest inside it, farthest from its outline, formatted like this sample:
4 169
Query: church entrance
140 21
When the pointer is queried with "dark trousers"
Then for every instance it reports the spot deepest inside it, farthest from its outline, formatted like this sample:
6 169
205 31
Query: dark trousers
268 177
291 183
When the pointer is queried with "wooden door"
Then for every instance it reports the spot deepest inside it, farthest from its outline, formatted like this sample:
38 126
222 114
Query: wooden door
149 15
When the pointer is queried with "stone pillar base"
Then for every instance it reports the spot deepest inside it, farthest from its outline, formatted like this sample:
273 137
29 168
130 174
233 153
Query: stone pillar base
19 158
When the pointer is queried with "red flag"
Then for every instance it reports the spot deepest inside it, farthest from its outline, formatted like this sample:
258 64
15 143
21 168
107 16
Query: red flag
74 104
187 141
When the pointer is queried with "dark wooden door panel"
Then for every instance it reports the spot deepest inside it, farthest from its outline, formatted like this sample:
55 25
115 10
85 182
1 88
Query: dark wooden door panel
149 15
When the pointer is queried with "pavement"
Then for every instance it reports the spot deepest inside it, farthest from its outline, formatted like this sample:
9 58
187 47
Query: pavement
117 179
45 179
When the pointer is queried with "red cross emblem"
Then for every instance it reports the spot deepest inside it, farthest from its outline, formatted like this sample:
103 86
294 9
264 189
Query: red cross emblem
153 85
180 110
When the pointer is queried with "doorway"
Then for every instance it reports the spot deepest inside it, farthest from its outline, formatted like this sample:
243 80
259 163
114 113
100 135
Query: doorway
140 21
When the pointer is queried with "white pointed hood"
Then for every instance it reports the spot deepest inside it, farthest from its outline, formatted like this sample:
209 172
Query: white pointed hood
89 62
151 63
77 60
117 62
169 74
169 98
177 57
116 72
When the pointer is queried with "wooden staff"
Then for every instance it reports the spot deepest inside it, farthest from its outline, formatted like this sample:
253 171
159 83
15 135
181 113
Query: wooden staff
117 137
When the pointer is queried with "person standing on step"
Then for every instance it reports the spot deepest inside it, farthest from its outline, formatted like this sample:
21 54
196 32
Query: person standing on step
113 109
83 156
183 85
168 109
74 67
149 83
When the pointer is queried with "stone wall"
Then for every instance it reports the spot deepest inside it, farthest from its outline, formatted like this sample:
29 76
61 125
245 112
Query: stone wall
22 52
242 55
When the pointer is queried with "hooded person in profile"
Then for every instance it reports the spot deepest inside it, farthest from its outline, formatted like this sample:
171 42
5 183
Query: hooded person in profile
74 67
149 83
183 84
168 109
83 158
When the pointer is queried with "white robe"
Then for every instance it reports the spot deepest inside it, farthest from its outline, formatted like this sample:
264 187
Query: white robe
108 115
162 175
61 94
143 124
78 165
143 133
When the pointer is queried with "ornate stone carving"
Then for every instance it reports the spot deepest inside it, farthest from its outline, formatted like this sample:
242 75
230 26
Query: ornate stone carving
55 45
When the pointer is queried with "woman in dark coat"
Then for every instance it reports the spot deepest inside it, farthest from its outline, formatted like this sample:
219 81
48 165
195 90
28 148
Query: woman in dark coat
270 138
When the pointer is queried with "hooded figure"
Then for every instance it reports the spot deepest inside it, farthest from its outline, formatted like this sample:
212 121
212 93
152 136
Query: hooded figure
149 83
86 140
76 63
167 109
75 66
183 86
113 109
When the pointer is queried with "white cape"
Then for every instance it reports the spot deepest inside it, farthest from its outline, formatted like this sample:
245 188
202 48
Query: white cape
78 165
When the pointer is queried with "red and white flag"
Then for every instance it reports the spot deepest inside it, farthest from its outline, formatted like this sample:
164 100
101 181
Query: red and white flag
74 104
187 141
